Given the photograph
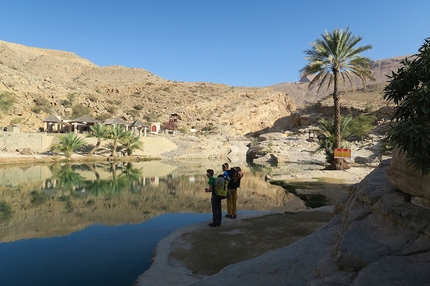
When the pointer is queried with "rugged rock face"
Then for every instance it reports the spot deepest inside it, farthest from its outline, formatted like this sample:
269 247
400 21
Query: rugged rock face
48 82
406 179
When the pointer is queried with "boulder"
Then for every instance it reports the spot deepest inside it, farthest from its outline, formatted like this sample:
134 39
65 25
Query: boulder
403 176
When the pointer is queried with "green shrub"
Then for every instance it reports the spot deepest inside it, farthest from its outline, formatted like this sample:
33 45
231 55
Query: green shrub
7 100
66 103
326 138
409 90
41 104
16 120
138 106
112 109
362 125
103 116
80 110
134 113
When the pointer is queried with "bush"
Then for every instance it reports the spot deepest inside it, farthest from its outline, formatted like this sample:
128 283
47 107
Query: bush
80 110
112 109
42 104
103 116
326 138
7 100
409 90
362 125
93 98
41 101
16 120
138 107
133 113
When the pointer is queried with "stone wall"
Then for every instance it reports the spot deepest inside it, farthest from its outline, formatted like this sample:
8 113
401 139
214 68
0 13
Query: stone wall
36 142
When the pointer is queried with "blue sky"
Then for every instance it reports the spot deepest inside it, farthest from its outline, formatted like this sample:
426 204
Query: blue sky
239 43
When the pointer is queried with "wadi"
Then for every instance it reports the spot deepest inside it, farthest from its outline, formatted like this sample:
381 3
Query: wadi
379 233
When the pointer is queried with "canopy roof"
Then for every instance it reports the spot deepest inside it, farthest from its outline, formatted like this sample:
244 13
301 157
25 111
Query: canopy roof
138 123
52 118
116 121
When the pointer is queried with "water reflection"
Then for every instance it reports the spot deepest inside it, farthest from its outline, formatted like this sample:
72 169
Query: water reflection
58 199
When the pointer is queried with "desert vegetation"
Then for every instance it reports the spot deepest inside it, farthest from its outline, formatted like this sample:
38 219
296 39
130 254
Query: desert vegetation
333 58
409 90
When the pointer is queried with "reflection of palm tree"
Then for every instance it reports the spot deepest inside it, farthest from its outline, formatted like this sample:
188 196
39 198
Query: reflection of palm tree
132 173
67 178
93 169
124 181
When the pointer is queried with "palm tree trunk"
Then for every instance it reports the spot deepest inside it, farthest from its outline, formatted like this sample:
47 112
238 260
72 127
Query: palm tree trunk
94 149
336 113
115 144
337 164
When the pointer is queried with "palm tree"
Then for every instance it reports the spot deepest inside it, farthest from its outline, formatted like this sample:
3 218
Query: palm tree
131 143
332 58
326 135
99 131
68 144
117 133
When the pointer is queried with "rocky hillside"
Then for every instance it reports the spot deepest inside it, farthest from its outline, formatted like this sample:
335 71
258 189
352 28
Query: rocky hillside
48 82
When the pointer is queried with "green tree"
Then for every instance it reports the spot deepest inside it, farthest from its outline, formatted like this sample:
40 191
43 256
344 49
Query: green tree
362 125
131 143
116 134
409 90
99 131
333 58
68 144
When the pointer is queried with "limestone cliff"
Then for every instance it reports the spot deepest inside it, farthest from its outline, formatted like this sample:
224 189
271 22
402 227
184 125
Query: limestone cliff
48 82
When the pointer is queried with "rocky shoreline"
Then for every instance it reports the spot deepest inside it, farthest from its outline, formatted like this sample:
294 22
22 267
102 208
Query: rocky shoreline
378 237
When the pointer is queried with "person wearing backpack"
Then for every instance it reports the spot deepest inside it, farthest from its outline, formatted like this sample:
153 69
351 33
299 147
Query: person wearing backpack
235 174
218 193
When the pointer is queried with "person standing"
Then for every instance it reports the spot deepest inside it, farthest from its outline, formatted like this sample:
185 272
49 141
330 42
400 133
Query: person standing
235 174
215 200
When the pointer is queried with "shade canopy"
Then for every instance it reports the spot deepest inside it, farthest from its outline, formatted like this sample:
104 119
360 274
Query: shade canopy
116 121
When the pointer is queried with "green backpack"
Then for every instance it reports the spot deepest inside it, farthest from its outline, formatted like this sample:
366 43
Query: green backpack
221 187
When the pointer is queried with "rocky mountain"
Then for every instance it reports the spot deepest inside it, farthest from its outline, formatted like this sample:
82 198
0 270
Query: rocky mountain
45 82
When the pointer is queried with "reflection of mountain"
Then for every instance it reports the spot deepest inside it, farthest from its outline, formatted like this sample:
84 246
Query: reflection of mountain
129 196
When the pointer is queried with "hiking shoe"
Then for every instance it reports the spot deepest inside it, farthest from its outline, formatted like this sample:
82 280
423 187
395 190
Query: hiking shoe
228 216
214 225
234 216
